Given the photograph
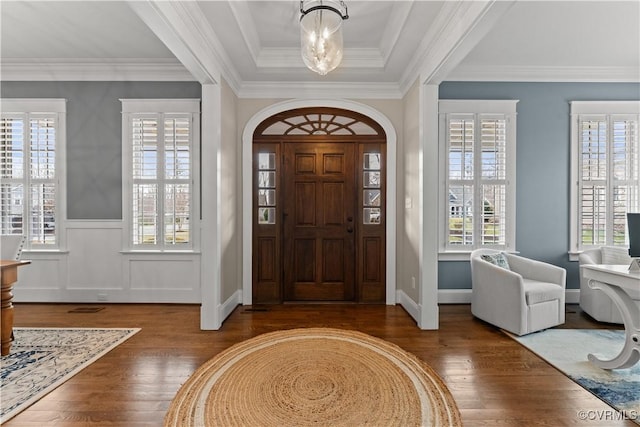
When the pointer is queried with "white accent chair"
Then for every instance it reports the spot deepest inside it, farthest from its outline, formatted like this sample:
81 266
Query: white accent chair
527 297
594 302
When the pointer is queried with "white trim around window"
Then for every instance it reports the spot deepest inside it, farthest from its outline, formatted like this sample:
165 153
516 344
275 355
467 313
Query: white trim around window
467 127
161 175
605 172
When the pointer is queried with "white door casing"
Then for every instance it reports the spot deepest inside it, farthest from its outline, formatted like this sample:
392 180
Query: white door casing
247 143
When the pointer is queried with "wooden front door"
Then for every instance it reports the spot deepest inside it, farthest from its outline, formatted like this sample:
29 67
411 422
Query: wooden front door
318 218
319 208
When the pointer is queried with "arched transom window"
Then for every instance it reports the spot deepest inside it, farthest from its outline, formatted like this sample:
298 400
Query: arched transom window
319 121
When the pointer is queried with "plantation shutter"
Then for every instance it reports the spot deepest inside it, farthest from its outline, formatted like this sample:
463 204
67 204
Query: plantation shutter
29 182
476 184
12 155
161 193
608 182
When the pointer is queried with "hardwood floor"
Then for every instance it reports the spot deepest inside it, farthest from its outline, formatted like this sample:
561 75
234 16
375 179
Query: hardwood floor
495 381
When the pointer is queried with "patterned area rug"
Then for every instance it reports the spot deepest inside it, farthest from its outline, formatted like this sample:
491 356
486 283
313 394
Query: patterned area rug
314 377
567 350
42 359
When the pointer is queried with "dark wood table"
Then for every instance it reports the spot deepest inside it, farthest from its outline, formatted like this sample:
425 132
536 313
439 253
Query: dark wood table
9 276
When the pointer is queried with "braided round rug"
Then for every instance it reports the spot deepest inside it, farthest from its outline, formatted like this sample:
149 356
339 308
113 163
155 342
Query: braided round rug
315 376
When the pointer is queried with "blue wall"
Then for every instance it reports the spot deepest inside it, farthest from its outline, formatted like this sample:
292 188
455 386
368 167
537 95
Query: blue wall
94 136
543 165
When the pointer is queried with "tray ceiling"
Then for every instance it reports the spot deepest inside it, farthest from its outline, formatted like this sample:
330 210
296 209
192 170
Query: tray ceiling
256 43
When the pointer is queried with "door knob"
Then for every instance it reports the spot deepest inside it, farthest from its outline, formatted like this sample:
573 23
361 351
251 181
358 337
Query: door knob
349 229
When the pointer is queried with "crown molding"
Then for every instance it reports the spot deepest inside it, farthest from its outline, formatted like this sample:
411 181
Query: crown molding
183 28
445 15
75 69
291 58
507 73
302 90
457 29
399 15
242 14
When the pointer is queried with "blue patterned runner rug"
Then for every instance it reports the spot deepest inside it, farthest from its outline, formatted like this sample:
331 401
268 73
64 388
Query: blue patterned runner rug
43 358
567 350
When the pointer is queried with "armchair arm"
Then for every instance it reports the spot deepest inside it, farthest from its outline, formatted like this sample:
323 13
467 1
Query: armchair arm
587 258
496 280
538 270
498 296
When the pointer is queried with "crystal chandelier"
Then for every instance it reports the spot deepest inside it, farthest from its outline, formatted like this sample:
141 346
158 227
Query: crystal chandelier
321 33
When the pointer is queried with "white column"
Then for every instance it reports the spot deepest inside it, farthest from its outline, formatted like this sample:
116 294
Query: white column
210 280
428 292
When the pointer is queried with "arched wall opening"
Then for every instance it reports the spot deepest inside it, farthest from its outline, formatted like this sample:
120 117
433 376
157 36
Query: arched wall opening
247 188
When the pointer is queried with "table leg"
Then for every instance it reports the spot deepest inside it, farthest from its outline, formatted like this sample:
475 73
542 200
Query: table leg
630 353
6 318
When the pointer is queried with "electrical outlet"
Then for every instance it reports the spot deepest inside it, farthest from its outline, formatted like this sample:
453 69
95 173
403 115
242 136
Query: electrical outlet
408 203
103 297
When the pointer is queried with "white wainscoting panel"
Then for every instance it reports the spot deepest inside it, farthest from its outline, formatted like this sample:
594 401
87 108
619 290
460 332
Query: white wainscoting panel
162 274
94 258
93 268
46 271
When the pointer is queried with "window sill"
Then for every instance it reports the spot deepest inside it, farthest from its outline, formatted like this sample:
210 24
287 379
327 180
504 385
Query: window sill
159 252
463 255
454 256
44 251
573 256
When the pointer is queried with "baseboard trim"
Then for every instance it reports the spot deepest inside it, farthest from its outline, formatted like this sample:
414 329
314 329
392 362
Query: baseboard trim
409 305
463 296
227 307
572 296
454 296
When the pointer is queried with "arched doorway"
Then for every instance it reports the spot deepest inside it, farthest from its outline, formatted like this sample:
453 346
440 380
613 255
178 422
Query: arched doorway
319 186
259 124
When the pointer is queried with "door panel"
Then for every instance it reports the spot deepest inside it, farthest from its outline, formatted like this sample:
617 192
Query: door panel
319 238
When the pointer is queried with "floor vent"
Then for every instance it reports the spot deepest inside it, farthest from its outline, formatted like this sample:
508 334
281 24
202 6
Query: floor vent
86 310
254 309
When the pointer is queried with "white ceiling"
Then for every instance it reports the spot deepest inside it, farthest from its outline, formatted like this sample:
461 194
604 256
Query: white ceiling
255 44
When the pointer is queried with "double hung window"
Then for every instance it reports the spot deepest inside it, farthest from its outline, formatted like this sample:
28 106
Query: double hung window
477 140
32 152
160 160
605 172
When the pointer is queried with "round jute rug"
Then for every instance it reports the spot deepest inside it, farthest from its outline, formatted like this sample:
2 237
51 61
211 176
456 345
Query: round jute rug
315 376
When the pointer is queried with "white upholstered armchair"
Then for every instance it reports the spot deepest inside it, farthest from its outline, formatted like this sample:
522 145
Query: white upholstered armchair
594 302
526 297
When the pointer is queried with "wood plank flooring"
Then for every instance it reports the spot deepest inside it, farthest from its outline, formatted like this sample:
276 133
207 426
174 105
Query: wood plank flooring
495 381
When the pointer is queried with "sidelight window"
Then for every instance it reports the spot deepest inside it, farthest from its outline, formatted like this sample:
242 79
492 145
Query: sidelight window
266 188
371 192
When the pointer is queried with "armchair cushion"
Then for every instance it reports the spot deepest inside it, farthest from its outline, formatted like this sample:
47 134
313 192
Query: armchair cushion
497 259
536 292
